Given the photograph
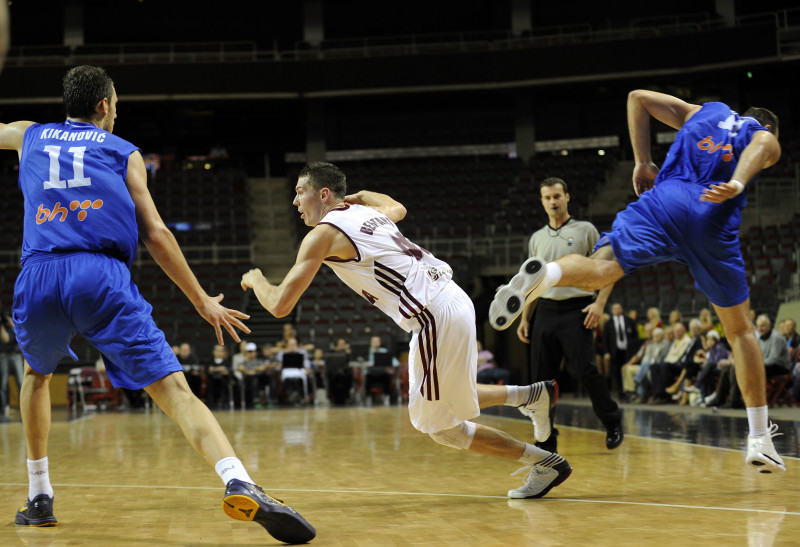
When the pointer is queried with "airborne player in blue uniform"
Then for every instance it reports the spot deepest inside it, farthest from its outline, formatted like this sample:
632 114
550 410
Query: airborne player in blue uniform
85 193
691 215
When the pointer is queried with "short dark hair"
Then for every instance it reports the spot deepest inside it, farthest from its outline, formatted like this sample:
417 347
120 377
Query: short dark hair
322 174
84 87
764 117
552 181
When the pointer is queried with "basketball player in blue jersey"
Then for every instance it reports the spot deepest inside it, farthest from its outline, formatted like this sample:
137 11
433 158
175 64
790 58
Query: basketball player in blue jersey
690 212
85 192
357 237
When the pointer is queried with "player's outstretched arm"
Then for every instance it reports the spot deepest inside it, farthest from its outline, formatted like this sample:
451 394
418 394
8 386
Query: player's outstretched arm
281 299
165 250
762 152
381 202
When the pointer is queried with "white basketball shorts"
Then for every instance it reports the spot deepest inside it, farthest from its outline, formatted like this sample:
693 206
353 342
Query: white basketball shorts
443 362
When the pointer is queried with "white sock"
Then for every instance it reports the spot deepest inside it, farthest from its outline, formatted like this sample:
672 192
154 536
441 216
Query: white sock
758 420
516 395
232 468
535 455
552 275
38 478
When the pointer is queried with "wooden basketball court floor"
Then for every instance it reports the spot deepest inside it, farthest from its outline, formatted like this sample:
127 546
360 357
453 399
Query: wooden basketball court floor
364 476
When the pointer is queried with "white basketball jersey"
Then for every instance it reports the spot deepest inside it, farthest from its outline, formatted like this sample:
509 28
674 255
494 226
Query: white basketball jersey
391 272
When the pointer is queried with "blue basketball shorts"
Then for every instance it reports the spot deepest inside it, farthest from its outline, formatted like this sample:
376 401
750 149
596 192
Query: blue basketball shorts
670 222
58 295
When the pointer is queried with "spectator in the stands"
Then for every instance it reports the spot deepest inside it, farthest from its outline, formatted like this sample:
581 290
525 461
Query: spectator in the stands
671 365
255 378
221 385
289 332
776 362
488 371
341 346
773 348
654 317
288 376
633 365
379 376
240 356
191 368
675 317
789 332
706 320
655 352
715 362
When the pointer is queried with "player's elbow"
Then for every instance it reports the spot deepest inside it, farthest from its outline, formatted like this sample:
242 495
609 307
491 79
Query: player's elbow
281 311
156 236
400 212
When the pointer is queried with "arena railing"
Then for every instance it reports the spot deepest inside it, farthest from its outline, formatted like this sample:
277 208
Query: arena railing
202 52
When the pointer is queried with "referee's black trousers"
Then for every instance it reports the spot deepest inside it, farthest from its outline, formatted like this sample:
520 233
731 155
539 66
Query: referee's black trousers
557 333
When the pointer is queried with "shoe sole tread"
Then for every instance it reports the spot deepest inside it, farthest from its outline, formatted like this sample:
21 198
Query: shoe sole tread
285 526
510 299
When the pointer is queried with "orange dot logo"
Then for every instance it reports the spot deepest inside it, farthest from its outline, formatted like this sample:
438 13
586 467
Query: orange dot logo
85 204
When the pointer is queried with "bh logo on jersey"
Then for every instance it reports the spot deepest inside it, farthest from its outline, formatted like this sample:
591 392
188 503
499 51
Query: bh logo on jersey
43 214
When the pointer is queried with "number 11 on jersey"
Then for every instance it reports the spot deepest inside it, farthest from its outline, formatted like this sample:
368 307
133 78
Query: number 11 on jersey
77 168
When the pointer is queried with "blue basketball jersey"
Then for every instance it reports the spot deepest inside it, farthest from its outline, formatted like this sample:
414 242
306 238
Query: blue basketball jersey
708 147
72 176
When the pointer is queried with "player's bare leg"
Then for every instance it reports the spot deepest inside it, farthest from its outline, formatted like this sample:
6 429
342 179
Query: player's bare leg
172 394
244 500
535 277
545 469
34 406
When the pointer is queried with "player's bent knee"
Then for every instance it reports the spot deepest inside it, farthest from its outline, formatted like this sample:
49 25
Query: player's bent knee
458 437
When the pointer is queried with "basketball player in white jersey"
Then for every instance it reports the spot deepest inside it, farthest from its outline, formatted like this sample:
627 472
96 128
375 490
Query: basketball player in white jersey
357 237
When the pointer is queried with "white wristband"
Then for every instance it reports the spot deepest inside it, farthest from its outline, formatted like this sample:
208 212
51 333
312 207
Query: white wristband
739 187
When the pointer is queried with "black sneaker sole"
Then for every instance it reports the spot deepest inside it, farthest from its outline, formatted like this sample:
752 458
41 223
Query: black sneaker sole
35 523
286 526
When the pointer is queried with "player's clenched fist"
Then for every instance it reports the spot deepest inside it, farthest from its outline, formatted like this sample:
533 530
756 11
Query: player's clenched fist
251 278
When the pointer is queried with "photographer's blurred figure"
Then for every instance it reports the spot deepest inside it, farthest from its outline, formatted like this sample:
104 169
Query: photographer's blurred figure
10 360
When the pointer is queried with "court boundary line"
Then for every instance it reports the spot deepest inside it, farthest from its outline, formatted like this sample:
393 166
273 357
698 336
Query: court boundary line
425 494
641 437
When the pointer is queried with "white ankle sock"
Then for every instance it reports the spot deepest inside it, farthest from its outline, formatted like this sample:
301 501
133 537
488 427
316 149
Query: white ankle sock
517 394
38 478
758 420
552 274
232 468
535 455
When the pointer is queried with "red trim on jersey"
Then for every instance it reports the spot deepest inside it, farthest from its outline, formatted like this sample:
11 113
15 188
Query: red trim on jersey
353 243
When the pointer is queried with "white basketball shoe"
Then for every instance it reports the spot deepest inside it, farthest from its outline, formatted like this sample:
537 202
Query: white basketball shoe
543 397
510 299
542 477
761 454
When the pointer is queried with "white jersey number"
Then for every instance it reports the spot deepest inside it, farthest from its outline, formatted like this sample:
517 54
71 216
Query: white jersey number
77 168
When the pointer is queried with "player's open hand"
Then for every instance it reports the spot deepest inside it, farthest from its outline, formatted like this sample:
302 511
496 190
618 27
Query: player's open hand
717 193
644 175
221 317
593 313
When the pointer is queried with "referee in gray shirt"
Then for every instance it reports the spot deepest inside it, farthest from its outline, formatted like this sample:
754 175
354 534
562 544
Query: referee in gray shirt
559 324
